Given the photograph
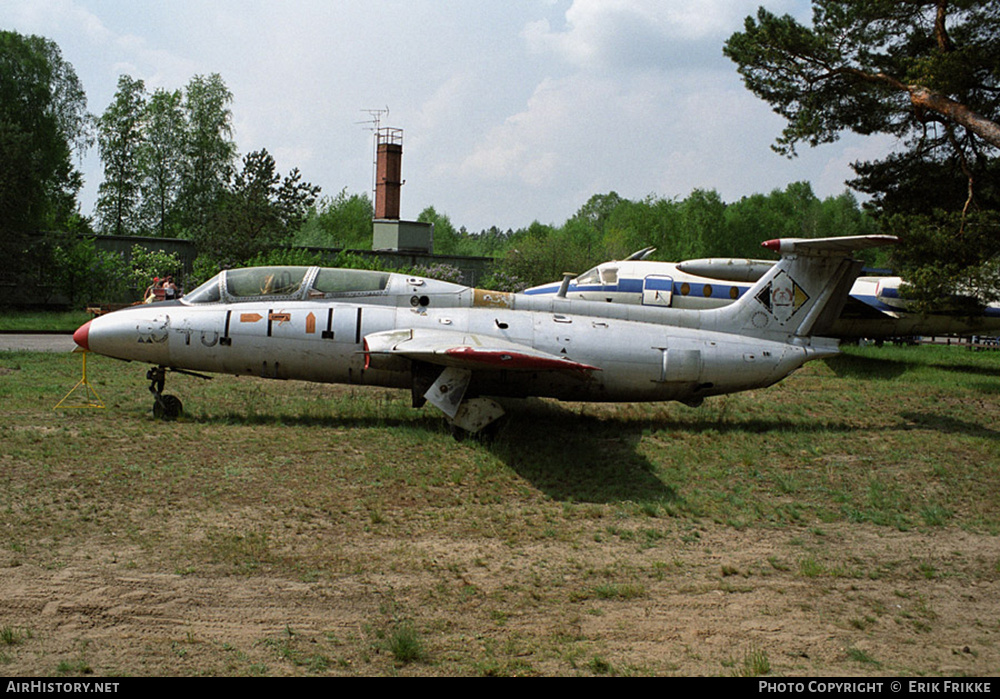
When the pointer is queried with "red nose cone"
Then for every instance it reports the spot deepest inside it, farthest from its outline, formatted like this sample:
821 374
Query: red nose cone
81 335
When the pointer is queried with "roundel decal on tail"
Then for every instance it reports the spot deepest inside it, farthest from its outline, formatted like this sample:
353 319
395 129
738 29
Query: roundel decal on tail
782 297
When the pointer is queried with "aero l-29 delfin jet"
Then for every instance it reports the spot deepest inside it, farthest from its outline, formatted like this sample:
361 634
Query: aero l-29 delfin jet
457 347
876 308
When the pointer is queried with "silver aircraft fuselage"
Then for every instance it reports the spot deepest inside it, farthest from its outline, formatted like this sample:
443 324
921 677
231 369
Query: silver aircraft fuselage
637 361
456 347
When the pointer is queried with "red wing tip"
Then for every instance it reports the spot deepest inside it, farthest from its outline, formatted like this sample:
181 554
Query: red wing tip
774 245
82 335
518 360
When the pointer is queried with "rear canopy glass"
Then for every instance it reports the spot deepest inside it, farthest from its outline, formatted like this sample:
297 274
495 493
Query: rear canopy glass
345 281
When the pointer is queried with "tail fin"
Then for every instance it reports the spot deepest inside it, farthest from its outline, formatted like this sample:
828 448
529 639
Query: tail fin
804 292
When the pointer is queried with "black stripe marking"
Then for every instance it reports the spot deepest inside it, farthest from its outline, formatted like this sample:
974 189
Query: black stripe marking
226 340
328 333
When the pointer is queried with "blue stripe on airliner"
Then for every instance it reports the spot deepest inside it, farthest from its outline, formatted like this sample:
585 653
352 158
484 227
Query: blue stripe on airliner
635 286
875 302
719 291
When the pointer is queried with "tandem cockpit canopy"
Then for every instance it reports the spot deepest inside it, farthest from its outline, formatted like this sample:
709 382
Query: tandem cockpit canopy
291 283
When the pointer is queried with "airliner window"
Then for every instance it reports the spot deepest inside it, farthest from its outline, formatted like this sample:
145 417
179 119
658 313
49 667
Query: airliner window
610 275
345 281
265 281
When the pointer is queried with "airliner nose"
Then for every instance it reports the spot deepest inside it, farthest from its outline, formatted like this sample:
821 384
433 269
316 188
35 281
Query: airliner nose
82 334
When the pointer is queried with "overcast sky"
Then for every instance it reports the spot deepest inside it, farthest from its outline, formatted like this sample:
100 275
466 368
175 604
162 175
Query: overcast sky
512 110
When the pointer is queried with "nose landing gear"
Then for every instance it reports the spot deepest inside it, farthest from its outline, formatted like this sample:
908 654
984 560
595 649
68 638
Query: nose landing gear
165 407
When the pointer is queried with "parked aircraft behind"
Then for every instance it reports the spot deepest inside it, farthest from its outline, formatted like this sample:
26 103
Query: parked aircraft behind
876 308
457 347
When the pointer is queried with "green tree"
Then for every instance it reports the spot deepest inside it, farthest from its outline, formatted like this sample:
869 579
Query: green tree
120 138
921 70
634 225
533 256
584 233
209 148
260 211
145 264
936 267
43 123
492 241
85 274
161 160
598 210
842 215
343 221
447 240
702 225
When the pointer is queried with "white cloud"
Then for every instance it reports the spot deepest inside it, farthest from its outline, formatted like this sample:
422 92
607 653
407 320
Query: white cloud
63 14
639 34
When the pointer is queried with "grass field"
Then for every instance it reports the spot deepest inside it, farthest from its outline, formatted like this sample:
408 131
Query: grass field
844 522
31 321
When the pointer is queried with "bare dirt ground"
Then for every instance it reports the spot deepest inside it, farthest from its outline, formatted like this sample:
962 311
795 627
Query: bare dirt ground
723 602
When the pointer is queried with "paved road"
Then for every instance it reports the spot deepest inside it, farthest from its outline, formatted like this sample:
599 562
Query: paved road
36 343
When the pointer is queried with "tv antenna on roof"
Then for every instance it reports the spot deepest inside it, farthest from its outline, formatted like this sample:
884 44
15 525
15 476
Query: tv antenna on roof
376 117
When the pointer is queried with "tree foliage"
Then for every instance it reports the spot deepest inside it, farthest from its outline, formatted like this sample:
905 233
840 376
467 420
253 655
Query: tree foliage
168 158
120 136
877 66
343 221
169 170
922 70
209 148
86 275
609 227
161 162
258 212
43 123
943 275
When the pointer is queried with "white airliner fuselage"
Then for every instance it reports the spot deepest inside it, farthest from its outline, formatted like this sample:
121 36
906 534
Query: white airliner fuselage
876 309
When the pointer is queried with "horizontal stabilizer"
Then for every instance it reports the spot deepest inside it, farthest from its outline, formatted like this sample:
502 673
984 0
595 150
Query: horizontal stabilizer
837 247
467 351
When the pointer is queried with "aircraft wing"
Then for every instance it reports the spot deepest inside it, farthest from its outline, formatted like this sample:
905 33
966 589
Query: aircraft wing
464 351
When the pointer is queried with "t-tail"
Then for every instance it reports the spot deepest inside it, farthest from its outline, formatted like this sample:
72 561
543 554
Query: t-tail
804 292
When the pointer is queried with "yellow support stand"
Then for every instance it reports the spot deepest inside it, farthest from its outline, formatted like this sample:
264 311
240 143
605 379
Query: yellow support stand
87 395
